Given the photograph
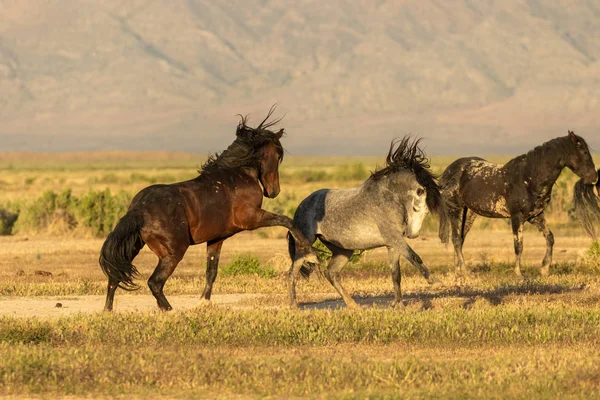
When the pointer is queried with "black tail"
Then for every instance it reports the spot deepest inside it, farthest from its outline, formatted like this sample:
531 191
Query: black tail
307 267
587 207
120 248
444 231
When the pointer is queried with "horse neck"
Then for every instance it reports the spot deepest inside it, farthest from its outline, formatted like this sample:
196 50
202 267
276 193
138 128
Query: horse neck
545 163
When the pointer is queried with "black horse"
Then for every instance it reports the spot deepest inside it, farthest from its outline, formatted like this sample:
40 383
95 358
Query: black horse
587 206
224 199
519 190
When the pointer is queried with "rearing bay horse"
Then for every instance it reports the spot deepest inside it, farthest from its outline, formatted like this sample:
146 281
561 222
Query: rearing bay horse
224 199
519 190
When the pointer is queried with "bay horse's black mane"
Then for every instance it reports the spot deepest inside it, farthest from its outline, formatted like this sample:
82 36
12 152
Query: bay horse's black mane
243 152
405 154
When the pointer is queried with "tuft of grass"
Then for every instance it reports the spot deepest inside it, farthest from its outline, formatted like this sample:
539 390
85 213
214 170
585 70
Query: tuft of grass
591 257
247 264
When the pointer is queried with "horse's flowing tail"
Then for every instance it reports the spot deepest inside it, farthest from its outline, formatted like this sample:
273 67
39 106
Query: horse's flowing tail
120 248
307 267
587 207
444 231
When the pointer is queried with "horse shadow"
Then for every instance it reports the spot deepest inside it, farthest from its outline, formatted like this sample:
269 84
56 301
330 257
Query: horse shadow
469 295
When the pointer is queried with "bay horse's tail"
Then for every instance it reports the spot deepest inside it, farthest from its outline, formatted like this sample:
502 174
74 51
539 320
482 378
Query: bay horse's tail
307 267
587 207
120 248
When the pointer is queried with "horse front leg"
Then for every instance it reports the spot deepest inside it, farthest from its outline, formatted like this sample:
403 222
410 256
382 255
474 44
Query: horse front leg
540 223
262 219
409 254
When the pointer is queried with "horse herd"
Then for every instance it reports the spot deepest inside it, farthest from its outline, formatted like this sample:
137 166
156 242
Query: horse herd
388 207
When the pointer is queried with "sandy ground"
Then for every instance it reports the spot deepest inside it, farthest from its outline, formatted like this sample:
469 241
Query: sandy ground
69 305
48 307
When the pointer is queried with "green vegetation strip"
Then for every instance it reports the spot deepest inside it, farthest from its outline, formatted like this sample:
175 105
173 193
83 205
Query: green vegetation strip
500 325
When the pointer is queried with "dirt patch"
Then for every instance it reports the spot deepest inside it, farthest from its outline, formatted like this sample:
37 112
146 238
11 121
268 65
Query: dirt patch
70 305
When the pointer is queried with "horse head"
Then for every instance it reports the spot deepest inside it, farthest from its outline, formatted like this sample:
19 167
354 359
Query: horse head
579 160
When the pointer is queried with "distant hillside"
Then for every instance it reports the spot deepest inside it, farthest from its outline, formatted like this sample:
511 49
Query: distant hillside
471 76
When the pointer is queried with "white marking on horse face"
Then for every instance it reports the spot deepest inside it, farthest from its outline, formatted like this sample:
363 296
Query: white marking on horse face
416 211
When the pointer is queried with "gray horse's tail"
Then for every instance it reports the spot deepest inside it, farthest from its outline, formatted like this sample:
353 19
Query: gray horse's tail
307 267
587 207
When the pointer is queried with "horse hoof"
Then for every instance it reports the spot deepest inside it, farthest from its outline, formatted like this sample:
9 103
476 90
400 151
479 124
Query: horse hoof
311 258
545 270
204 303
398 305
434 283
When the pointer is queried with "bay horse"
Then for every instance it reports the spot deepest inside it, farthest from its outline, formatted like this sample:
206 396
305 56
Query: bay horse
586 199
387 208
520 190
224 199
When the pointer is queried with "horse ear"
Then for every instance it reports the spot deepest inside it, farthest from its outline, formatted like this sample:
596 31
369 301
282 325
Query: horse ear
572 136
280 134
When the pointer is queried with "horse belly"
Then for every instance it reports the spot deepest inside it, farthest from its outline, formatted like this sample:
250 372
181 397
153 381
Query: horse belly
354 237
483 191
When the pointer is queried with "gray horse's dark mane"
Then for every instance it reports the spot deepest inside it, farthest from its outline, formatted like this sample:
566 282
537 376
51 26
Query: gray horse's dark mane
243 152
405 154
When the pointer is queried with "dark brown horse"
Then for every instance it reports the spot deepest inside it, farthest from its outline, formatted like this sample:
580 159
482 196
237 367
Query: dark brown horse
224 199
519 190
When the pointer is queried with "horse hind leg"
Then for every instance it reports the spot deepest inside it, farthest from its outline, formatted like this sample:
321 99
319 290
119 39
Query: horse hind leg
213 252
300 260
156 283
458 222
338 260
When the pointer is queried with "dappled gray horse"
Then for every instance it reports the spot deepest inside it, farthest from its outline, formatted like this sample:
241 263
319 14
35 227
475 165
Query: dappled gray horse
383 211
519 190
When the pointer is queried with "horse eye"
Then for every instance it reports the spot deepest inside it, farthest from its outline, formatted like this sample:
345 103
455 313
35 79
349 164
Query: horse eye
420 192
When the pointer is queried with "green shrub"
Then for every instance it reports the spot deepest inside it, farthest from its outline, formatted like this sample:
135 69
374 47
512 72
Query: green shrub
247 264
7 221
97 210
100 210
351 172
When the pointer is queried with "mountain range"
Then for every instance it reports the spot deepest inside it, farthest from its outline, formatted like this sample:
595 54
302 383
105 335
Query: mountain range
469 76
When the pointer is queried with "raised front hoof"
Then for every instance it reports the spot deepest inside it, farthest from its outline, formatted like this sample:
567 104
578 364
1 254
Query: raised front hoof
165 307
311 258
544 270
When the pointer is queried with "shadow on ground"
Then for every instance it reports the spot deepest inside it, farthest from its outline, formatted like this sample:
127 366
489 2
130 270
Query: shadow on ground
495 296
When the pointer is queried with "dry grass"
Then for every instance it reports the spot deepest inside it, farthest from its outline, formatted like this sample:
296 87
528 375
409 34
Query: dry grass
491 336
